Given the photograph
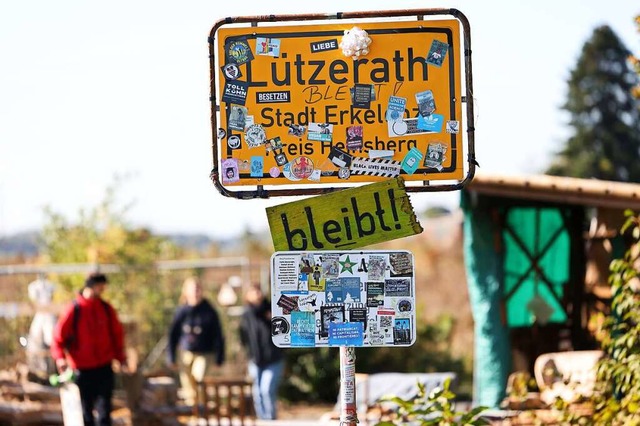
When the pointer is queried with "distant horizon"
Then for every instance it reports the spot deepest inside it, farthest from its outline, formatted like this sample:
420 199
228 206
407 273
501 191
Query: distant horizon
418 212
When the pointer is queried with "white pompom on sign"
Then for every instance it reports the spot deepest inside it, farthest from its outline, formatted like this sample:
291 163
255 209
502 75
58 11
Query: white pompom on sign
355 43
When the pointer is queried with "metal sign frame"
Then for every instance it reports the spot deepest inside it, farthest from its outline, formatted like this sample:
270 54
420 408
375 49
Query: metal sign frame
264 189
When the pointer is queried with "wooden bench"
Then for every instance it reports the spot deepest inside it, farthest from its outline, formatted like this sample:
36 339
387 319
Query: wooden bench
226 398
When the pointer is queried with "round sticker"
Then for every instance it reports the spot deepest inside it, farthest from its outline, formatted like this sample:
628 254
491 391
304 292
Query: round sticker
344 173
302 167
404 305
274 172
240 51
399 128
221 133
395 115
231 71
255 135
279 325
286 171
234 142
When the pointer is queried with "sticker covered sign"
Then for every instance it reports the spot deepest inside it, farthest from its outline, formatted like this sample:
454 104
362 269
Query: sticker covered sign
343 298
330 111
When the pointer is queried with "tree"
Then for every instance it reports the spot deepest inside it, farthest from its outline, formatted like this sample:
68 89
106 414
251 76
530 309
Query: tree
604 115
101 235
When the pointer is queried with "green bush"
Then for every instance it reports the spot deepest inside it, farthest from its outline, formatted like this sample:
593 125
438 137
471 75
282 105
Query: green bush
437 408
616 400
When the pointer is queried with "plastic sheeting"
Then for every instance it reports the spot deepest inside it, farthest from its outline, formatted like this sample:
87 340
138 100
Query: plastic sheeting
540 234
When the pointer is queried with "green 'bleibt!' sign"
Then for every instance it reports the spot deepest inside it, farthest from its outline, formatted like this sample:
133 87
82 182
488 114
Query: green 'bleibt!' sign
346 219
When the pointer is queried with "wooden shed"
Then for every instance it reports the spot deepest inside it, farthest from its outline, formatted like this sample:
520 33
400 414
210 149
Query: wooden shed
537 251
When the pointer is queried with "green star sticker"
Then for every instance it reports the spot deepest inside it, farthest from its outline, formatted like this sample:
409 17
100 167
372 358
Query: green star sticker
347 265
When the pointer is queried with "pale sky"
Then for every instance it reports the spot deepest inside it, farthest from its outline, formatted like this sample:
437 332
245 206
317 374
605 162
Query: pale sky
92 89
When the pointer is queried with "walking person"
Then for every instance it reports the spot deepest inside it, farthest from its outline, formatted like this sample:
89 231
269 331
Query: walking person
87 338
195 337
266 360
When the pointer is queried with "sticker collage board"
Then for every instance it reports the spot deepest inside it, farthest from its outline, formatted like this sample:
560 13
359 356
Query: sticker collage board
343 298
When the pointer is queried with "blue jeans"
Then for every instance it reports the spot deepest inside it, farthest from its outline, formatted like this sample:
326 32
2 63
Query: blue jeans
265 388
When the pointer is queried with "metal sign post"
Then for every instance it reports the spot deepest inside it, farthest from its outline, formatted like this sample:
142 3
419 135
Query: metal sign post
348 402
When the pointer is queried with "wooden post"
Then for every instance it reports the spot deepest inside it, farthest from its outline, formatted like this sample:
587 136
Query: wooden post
348 403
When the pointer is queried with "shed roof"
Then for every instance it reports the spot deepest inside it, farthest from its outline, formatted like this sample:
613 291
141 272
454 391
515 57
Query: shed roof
557 189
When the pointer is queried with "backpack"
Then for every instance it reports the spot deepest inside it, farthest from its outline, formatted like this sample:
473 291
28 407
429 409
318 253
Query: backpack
73 339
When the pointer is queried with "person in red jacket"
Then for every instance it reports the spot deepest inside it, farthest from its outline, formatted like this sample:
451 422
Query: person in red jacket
87 338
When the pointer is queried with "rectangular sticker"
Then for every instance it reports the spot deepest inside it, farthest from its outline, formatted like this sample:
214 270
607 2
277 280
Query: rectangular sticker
273 97
320 132
287 273
375 167
437 53
412 161
238 117
362 94
346 334
401 331
431 123
375 294
406 127
426 103
397 287
330 314
268 46
235 92
324 45
302 329
395 108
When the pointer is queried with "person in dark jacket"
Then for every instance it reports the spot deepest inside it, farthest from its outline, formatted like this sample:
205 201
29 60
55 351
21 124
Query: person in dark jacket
197 333
266 360
87 338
